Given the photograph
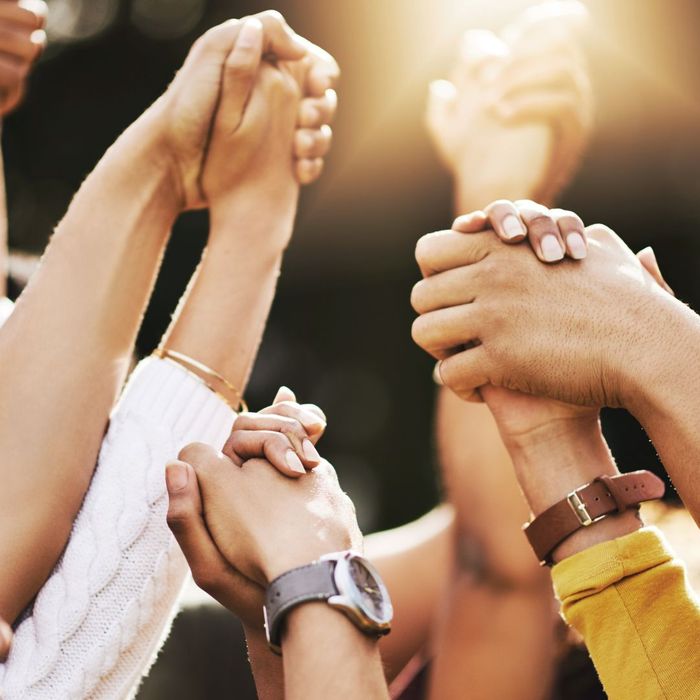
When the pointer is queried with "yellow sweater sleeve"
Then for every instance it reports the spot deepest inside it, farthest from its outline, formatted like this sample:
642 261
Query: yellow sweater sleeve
630 600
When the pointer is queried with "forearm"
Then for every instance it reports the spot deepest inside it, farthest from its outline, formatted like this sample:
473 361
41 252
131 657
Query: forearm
629 599
498 643
474 190
664 376
416 561
65 351
478 475
497 577
119 537
325 656
560 461
221 320
266 666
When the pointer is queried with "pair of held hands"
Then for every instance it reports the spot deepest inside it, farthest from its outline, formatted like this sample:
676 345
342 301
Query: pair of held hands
249 113
260 523
496 319
265 505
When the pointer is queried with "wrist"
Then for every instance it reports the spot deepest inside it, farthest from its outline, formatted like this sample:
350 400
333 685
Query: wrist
151 161
472 193
303 622
256 222
281 562
609 528
665 361
551 468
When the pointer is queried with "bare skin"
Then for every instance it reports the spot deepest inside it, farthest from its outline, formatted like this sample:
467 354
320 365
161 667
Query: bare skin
260 524
135 208
505 580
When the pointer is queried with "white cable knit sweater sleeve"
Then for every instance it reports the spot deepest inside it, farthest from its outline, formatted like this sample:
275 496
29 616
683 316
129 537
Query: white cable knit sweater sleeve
99 620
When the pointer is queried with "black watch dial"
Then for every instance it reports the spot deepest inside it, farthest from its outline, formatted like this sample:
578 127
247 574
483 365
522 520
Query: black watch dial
372 593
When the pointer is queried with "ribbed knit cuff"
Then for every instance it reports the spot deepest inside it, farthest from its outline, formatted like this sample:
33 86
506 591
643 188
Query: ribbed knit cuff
6 307
607 563
170 395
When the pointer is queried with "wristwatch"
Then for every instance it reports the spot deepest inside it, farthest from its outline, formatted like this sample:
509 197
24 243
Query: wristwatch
345 580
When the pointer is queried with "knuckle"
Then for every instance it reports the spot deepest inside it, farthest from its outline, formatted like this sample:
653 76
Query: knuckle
600 232
498 204
273 16
425 248
418 296
490 270
295 426
194 453
419 330
206 578
276 441
541 223
177 517
242 63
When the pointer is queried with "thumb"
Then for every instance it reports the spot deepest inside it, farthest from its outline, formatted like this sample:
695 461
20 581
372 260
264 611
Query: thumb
240 72
647 258
284 394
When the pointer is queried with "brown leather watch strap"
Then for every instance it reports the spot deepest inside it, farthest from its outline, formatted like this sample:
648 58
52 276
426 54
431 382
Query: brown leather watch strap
584 506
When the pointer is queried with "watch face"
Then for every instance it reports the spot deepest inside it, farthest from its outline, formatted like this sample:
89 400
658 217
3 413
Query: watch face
372 593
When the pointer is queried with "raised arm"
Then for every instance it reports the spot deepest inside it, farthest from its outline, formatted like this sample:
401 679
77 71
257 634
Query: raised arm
93 285
513 118
266 526
163 407
629 342
620 586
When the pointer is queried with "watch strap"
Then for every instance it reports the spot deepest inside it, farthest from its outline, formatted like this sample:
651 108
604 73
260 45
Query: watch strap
311 582
604 496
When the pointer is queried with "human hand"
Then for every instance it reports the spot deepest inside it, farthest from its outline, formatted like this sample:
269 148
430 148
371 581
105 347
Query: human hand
264 138
284 434
264 523
514 118
552 234
22 39
572 332
210 569
182 117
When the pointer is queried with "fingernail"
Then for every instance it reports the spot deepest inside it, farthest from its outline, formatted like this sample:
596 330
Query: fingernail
250 32
551 249
176 477
437 377
294 462
38 36
512 227
310 452
577 246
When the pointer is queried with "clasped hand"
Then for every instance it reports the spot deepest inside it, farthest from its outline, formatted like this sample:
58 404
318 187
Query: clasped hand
266 504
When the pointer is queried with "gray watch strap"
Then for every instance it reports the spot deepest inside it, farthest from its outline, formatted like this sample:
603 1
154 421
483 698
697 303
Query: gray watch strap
312 582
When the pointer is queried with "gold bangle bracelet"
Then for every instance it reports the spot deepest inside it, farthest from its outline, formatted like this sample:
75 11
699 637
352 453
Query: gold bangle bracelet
198 368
